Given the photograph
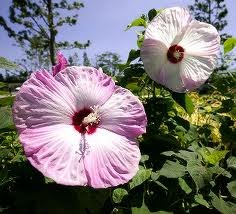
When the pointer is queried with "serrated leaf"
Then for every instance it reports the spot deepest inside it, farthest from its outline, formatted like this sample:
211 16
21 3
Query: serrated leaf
118 194
141 176
6 64
184 101
139 22
231 162
172 169
133 54
221 205
200 200
232 188
229 45
184 186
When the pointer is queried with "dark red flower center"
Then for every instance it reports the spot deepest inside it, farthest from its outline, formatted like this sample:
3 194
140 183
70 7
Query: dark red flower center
85 121
175 54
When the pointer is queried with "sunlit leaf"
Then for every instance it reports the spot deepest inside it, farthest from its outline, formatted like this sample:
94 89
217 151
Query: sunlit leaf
141 176
229 45
137 23
184 186
200 200
118 194
184 101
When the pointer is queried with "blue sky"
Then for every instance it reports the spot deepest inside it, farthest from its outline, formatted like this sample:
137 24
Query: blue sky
103 22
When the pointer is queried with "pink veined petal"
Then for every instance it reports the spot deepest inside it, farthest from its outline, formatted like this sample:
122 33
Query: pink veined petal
61 63
56 152
89 85
123 114
154 56
196 70
168 26
43 101
112 159
201 39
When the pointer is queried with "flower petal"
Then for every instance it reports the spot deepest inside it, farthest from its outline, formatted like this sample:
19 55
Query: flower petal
169 25
112 159
170 77
89 85
195 71
61 63
123 114
43 101
154 56
55 151
201 39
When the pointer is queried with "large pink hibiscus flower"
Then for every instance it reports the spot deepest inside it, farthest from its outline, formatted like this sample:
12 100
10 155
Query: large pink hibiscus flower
179 52
78 128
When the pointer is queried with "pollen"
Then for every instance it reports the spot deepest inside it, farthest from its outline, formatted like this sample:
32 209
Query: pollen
175 54
86 120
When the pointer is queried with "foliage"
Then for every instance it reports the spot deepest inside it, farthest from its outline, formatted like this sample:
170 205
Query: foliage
229 44
188 162
39 23
109 62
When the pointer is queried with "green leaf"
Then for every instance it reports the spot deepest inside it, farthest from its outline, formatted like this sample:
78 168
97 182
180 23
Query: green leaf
184 186
118 194
141 176
200 200
172 169
215 156
199 173
232 188
221 205
6 101
229 45
4 63
184 101
231 162
6 118
133 54
137 23
151 14
140 40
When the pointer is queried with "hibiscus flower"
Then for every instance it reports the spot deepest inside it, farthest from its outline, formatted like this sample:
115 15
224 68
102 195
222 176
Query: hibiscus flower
78 127
178 51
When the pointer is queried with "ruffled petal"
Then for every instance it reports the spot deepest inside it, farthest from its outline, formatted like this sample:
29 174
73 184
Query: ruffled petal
111 160
201 39
168 26
61 63
154 56
89 85
43 101
56 152
123 114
